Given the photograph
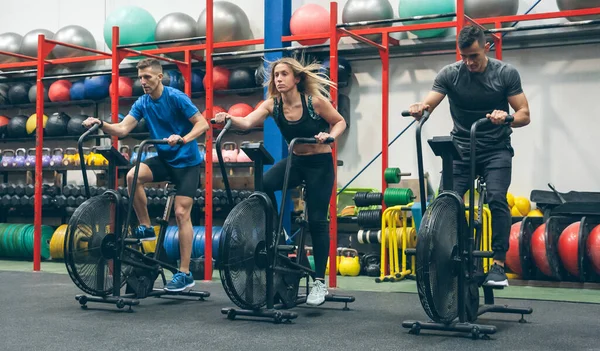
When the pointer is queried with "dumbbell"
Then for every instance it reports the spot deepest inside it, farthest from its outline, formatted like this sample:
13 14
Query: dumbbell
150 192
68 189
15 200
6 200
24 200
200 200
60 201
79 200
163 201
29 189
4 188
10 189
20 189
51 190
45 201
71 201
160 191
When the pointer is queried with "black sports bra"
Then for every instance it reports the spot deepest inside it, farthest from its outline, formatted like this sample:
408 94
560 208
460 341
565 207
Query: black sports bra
309 125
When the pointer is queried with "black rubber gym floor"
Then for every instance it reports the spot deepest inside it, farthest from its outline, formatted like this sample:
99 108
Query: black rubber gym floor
39 312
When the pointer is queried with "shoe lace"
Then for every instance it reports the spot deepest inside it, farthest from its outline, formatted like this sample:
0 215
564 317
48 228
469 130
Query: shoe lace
177 277
318 287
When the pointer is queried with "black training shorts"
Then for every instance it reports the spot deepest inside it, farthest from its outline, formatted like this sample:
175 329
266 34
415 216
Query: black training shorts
185 179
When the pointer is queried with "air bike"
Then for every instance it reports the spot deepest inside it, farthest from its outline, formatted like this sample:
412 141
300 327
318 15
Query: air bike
256 267
100 257
449 271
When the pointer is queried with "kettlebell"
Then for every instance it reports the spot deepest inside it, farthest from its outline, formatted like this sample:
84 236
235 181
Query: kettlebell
371 264
337 261
230 152
8 155
134 154
71 157
46 157
124 150
30 159
242 157
202 150
151 152
215 158
57 157
349 263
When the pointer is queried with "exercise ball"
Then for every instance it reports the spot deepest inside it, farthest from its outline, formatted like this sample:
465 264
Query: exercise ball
310 19
19 93
538 250
10 42
32 123
57 124
197 80
368 10
16 127
173 79
242 78
96 88
33 93
240 110
513 257
487 8
74 126
77 90
177 25
344 70
593 248
29 45
3 93
60 90
411 8
76 35
3 126
136 25
568 248
125 87
220 78
230 23
141 127
565 5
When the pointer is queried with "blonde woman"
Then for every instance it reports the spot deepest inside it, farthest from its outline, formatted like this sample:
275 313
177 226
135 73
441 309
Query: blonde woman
299 103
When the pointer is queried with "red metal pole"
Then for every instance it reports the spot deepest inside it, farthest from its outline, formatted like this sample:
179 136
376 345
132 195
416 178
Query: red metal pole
186 72
460 23
114 94
498 42
333 72
209 145
43 50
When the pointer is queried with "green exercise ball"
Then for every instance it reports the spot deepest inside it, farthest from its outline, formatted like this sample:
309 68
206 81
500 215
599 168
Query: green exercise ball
411 8
136 25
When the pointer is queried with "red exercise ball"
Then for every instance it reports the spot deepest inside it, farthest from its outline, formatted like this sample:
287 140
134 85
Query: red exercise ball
513 260
310 19
538 250
240 110
3 125
60 91
568 248
220 78
593 248
125 87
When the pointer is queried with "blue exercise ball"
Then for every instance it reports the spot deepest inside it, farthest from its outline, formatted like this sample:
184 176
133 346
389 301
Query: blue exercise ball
97 88
77 91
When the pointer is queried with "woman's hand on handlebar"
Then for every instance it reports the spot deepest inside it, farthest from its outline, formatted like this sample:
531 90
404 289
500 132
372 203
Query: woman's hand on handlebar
416 110
221 117
497 116
90 121
322 137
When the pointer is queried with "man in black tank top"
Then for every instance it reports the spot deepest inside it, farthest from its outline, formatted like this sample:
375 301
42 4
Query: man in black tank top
478 87
297 101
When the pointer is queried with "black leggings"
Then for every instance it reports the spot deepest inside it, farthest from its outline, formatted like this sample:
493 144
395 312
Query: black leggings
317 172
496 169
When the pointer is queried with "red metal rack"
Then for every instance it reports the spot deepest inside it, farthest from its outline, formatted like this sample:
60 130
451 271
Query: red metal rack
335 33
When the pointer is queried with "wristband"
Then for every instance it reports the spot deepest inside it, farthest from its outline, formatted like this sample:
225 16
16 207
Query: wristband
101 123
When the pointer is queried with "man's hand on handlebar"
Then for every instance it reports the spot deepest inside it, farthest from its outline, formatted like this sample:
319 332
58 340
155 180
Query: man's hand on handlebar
174 140
323 137
497 117
416 110
90 121
221 117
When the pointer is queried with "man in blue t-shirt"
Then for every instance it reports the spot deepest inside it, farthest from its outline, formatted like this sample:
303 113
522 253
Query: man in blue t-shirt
478 87
170 115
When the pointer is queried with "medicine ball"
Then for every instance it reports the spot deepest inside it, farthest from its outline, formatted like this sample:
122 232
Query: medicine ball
240 110
96 88
125 87
33 94
19 93
241 78
173 79
3 126
74 126
141 127
197 77
16 127
57 124
220 78
344 70
136 88
77 91
3 93
32 123
60 90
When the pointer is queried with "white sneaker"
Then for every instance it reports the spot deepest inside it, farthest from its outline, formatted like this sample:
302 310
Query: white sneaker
317 294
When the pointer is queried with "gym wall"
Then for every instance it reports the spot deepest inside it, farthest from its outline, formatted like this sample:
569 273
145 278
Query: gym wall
560 82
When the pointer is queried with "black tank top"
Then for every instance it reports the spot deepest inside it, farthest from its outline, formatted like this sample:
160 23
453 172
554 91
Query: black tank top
309 125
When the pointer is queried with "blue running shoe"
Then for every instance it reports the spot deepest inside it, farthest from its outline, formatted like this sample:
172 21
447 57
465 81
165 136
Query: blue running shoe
144 233
180 282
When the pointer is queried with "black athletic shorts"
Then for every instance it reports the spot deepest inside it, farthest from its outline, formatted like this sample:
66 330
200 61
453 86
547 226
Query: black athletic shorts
185 179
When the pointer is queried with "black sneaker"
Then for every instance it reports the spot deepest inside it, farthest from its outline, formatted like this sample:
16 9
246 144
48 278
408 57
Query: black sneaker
496 277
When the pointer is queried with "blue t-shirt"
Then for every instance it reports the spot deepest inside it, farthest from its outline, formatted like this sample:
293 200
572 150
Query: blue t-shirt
169 115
